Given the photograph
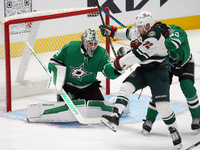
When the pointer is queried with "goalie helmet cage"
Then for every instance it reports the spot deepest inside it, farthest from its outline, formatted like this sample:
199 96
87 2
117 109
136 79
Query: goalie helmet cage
47 32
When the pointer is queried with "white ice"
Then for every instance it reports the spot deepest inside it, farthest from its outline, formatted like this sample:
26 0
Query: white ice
17 134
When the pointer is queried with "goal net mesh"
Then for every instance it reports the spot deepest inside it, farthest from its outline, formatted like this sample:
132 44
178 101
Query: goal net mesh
47 32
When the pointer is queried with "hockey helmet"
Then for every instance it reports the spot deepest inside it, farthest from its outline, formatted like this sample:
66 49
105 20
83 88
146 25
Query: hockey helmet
143 19
90 41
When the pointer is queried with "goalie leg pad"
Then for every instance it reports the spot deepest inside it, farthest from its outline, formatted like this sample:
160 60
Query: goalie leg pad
54 111
98 108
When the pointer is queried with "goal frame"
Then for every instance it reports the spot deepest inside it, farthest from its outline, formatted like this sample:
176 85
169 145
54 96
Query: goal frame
39 18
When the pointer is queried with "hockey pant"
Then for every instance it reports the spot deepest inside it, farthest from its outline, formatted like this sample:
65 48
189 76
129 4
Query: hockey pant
158 81
91 92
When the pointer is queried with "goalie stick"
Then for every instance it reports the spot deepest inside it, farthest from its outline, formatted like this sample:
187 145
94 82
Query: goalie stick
97 4
66 98
193 146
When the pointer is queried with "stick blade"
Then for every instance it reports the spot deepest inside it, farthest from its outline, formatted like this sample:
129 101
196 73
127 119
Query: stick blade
90 120
111 126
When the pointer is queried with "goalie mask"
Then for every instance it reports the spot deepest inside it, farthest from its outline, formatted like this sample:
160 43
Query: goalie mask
90 41
143 19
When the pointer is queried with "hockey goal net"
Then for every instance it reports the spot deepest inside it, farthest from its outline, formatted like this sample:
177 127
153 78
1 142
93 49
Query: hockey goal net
47 32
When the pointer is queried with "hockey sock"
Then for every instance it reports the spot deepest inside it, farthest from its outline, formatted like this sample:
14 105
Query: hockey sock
189 91
151 114
121 103
165 110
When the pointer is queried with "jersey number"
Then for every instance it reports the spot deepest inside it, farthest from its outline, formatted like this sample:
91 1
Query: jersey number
147 44
174 34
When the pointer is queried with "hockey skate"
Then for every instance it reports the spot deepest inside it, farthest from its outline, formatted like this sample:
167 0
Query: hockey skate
111 121
175 137
195 125
147 125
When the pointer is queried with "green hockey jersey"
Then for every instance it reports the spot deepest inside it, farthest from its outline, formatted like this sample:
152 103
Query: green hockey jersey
177 45
81 70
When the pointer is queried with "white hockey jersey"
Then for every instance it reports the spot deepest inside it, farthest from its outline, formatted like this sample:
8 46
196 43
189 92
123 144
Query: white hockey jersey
152 48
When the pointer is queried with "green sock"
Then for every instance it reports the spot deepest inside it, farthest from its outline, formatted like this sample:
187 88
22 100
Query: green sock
189 91
151 114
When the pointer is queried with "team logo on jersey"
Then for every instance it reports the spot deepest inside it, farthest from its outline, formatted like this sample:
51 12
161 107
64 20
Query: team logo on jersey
78 72
152 33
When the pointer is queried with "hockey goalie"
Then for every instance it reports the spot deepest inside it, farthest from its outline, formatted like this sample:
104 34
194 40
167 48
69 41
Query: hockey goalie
74 69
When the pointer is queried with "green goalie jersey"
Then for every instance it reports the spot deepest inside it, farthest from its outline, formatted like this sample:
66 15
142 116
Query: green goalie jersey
177 45
81 70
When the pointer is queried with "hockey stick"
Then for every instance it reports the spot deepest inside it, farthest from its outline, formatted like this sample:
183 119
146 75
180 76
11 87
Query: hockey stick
171 64
97 4
67 99
113 18
193 146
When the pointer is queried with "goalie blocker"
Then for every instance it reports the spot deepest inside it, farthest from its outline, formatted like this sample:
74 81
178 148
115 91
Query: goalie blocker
60 112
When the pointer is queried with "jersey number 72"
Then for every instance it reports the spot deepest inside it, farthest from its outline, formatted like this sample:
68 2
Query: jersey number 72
148 44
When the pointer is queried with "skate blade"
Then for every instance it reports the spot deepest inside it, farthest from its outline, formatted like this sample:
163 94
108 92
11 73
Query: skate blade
179 146
196 131
144 132
27 119
112 126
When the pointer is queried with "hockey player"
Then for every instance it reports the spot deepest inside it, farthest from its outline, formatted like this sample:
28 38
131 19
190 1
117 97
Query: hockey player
182 66
148 50
78 62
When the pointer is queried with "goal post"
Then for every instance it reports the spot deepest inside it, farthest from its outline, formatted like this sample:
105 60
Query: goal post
47 31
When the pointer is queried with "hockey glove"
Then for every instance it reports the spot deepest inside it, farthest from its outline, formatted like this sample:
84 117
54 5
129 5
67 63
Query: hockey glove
135 44
108 29
176 69
123 51
116 63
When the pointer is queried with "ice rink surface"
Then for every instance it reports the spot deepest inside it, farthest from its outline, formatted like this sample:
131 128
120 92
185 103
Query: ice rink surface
17 134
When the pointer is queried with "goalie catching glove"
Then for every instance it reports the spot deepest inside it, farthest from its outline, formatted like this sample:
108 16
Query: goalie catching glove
108 29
